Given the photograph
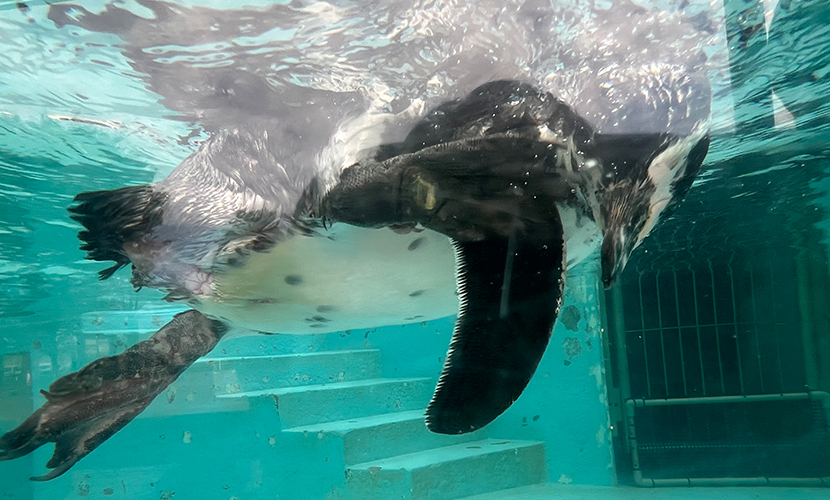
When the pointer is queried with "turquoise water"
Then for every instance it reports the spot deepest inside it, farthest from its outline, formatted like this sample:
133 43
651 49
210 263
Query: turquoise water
103 95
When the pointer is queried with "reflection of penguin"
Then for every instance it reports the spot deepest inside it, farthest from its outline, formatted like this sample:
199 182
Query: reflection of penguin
511 174
506 173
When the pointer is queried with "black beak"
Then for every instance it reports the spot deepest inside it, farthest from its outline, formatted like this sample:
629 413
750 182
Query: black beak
608 260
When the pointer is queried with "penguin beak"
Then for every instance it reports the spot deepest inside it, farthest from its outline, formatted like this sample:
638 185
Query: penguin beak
612 257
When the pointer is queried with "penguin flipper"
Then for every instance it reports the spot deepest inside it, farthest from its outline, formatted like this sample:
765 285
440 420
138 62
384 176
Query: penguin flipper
85 408
510 290
510 253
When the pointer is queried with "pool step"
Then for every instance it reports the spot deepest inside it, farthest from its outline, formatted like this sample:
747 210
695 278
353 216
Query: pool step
195 391
382 436
314 404
110 332
334 411
450 472
258 373
142 322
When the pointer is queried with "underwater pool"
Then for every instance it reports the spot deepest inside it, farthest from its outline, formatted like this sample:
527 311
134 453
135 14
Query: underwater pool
507 249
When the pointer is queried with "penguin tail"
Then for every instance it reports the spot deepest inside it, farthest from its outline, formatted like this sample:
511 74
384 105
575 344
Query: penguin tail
113 218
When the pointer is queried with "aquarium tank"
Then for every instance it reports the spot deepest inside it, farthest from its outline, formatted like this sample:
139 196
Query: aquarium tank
414 249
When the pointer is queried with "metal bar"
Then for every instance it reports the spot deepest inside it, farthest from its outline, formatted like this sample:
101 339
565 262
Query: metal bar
643 337
612 372
662 332
680 335
717 330
735 316
824 398
755 325
623 377
732 481
631 405
791 396
630 424
697 328
775 328
729 323
802 269
798 481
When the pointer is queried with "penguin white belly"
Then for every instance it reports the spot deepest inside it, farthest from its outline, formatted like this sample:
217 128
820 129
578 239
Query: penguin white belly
347 277
350 277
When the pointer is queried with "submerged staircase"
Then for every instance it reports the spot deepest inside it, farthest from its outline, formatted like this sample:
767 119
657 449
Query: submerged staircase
338 404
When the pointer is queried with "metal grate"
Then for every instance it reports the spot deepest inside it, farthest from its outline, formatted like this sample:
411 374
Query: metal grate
713 332
712 379
763 439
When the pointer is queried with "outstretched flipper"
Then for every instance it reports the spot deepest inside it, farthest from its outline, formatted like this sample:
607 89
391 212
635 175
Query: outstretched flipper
495 194
510 261
85 408
510 291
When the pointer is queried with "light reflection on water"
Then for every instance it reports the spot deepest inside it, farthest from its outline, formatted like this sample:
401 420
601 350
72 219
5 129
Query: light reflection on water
111 94
101 95
98 95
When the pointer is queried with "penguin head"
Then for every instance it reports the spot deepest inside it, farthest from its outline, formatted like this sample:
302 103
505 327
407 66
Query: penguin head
647 178
624 214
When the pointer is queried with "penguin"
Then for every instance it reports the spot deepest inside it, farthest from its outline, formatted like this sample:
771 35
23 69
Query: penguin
518 181
491 197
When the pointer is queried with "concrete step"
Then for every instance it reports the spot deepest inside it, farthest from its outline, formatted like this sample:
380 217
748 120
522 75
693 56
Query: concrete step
107 333
450 472
382 436
142 321
313 404
257 373
196 389
110 332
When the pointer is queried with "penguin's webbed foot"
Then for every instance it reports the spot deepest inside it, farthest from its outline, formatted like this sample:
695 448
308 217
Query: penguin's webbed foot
83 409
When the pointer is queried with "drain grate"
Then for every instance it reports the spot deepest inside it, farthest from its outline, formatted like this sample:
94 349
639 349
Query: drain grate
712 385
763 439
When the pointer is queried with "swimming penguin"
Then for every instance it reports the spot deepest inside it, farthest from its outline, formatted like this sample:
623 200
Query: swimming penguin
518 181
520 184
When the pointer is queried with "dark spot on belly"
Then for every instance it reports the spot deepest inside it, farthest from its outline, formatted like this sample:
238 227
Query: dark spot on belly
293 279
317 325
317 319
264 300
414 317
325 309
416 243
417 293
